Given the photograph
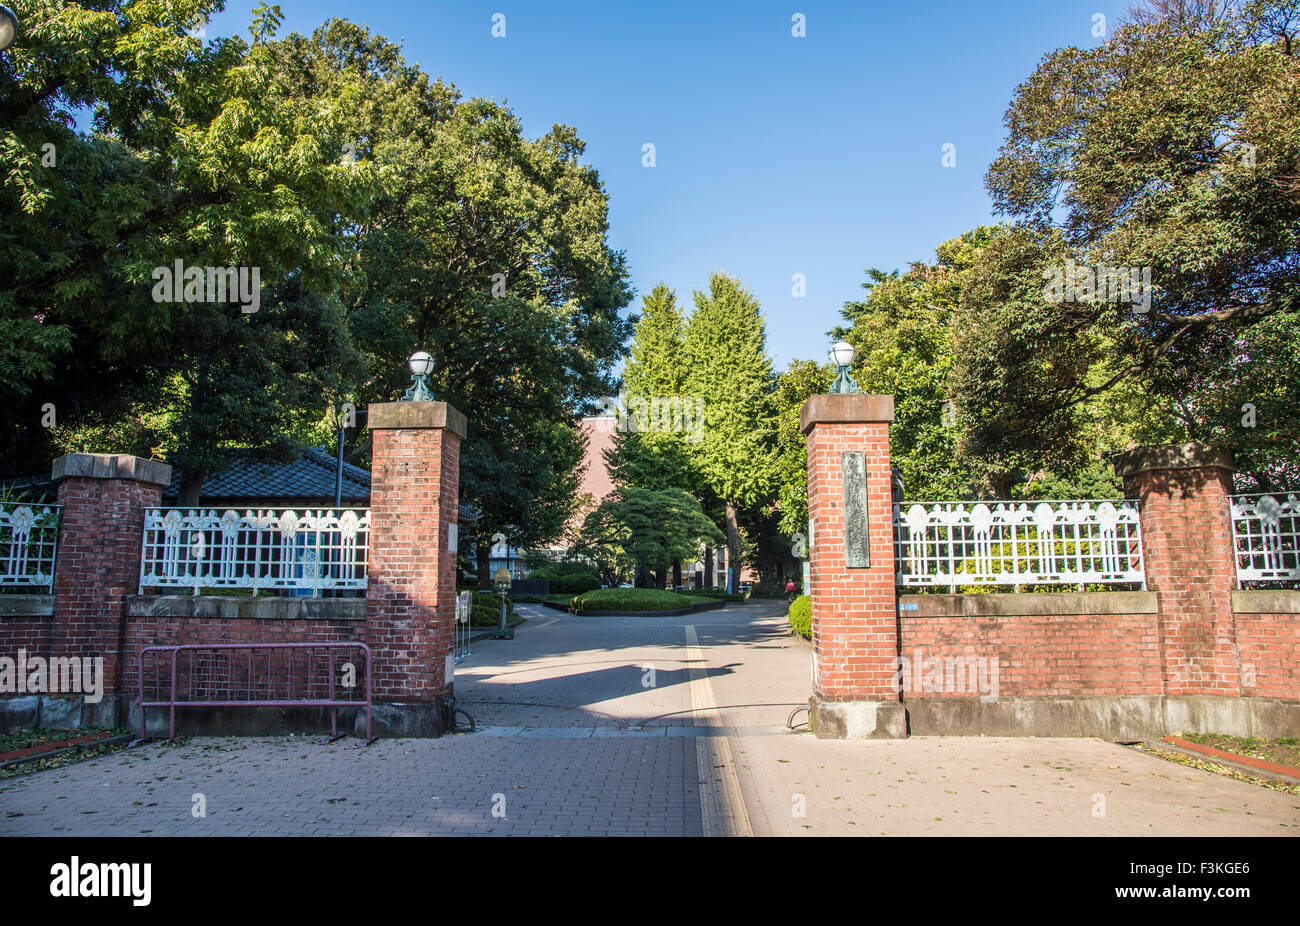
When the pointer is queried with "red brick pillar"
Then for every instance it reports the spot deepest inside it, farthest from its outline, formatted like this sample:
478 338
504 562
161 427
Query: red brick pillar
101 536
411 590
1187 543
851 556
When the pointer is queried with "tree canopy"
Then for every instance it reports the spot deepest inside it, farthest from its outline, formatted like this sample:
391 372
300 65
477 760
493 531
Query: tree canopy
1173 149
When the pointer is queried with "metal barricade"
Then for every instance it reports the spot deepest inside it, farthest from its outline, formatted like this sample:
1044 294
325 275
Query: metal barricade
253 675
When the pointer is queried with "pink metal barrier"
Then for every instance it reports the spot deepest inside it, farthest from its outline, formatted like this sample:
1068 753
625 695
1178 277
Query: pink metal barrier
253 675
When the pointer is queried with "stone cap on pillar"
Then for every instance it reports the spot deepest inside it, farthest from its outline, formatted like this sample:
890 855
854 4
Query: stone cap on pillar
393 415
110 466
845 408
1170 456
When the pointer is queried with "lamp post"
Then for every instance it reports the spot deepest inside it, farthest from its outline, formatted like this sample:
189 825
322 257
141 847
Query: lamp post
420 365
501 580
842 357
8 27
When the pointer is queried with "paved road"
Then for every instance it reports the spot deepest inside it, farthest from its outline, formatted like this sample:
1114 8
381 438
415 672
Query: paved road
639 726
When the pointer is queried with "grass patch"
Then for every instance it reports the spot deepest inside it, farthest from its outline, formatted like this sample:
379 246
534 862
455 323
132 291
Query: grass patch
1284 750
1208 765
53 739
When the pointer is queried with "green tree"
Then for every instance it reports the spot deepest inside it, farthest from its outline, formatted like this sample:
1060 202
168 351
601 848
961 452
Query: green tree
651 530
726 349
190 155
656 368
804 378
903 333
1174 146
489 251
656 363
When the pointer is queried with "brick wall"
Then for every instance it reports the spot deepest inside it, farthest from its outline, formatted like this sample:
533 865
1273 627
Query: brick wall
166 630
1268 646
29 632
1041 655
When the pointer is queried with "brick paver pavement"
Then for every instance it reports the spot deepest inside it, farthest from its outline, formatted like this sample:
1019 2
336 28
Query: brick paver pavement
638 726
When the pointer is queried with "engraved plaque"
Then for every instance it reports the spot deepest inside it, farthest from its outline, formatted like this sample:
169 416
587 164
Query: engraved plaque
857 540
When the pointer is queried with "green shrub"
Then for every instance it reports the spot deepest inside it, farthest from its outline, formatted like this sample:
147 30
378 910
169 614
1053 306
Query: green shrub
549 574
629 599
801 616
576 583
487 610
486 615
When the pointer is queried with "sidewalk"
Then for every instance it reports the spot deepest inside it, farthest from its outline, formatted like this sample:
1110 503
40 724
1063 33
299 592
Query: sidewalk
640 726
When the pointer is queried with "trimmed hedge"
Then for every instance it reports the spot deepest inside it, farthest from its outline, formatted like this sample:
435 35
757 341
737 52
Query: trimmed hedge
629 599
487 610
800 616
575 583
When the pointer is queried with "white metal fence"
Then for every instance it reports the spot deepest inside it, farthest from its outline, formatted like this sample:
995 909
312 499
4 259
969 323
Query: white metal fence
299 552
1018 543
1266 529
29 538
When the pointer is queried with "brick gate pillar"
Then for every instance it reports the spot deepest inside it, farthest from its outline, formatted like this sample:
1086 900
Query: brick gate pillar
851 557
411 587
101 539
1187 542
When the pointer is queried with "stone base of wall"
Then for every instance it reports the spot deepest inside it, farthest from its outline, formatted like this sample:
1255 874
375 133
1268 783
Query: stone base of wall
1115 718
245 721
856 720
69 713
419 718
386 720
59 712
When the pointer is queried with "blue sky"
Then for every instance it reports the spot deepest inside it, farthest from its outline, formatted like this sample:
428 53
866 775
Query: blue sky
775 155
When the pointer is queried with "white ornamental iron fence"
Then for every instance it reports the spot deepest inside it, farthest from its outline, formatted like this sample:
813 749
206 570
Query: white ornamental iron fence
29 539
302 553
1266 532
1018 543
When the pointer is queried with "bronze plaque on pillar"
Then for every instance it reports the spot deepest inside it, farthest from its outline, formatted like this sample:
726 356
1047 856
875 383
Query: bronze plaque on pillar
857 537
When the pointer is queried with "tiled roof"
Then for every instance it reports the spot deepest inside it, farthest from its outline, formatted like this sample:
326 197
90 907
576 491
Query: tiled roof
310 476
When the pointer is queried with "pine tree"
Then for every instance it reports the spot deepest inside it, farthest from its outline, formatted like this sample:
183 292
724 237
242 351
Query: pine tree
657 366
656 370
727 365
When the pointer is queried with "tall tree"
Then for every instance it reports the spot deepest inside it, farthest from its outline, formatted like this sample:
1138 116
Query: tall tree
726 348
903 335
656 363
1174 147
489 251
804 379
190 156
654 457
